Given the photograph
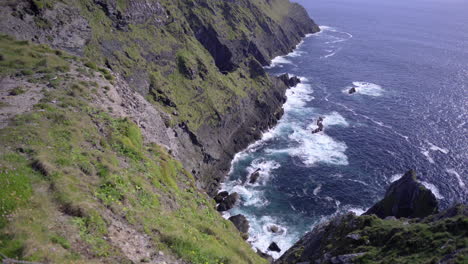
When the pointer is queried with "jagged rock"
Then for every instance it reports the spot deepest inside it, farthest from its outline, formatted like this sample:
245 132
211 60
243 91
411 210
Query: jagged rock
265 256
275 229
241 223
229 202
274 247
290 82
254 176
352 90
221 196
406 198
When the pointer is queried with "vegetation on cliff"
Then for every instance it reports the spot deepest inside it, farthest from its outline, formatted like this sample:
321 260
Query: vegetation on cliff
81 186
404 227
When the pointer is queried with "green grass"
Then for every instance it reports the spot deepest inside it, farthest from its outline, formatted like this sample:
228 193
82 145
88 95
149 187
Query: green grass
67 165
17 57
17 91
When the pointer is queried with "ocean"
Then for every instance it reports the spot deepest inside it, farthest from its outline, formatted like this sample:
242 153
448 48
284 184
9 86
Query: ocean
408 61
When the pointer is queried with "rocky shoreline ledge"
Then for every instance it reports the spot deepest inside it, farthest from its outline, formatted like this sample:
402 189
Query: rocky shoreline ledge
389 229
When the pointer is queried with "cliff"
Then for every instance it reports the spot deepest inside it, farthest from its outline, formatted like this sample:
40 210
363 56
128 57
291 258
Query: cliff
199 62
402 228
118 116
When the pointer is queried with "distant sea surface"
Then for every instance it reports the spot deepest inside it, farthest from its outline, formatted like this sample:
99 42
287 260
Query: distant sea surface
408 61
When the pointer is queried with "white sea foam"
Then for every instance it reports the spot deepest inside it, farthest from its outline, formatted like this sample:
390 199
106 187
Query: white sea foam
298 97
426 153
327 28
260 238
296 53
248 196
315 148
266 167
335 119
357 211
436 148
433 189
366 88
330 54
358 181
317 189
395 177
459 178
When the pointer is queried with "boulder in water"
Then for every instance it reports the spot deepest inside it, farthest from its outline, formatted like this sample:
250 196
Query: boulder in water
274 247
229 202
352 90
407 198
221 196
241 223
290 82
254 176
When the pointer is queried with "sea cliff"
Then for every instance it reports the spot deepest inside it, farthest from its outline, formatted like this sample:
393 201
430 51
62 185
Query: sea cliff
119 117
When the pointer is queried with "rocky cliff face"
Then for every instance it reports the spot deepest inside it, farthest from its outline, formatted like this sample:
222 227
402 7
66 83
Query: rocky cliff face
406 198
412 232
101 99
199 62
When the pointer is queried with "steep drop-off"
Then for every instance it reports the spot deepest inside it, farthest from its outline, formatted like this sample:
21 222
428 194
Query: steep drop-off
199 62
118 116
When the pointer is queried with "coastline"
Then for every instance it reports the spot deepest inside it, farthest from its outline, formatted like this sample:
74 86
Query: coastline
288 239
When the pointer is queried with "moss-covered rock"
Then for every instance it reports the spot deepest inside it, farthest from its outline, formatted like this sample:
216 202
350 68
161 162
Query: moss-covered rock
406 198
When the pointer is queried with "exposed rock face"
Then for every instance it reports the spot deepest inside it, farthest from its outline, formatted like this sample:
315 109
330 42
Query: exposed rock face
254 176
221 196
406 198
347 238
290 82
241 223
229 202
62 28
147 42
274 247
265 256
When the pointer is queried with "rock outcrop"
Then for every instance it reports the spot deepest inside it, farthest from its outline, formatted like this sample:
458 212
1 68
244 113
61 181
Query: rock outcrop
274 247
406 198
289 81
254 176
165 49
427 236
228 203
139 107
242 224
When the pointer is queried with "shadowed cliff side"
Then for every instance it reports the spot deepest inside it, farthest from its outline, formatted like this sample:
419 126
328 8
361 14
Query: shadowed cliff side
116 116
199 62
418 235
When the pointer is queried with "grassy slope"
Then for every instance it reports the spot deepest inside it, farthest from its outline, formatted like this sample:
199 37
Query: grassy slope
393 241
67 169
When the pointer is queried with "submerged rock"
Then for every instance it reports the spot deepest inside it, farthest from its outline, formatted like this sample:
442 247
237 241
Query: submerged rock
254 176
275 229
406 198
274 247
229 202
241 223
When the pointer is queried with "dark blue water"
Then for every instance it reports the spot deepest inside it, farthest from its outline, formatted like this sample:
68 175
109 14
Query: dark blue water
409 63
